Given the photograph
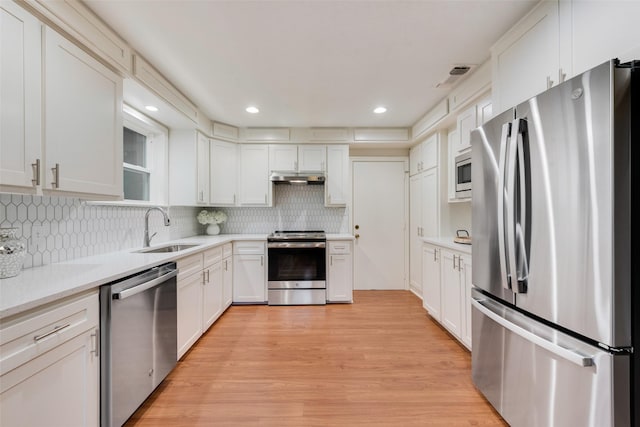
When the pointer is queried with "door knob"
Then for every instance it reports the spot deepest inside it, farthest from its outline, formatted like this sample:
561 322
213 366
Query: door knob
357 236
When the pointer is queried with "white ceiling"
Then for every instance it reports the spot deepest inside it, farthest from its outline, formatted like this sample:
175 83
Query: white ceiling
311 63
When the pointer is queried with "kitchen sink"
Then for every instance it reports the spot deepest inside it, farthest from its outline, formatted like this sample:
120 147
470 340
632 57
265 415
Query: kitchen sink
166 249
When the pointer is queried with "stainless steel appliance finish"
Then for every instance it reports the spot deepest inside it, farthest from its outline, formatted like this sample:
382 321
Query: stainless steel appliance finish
138 335
296 268
296 178
553 255
463 175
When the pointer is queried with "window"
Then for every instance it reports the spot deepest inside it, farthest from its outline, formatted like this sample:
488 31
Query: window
144 158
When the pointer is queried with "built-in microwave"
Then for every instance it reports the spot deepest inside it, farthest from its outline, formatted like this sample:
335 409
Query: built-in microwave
463 175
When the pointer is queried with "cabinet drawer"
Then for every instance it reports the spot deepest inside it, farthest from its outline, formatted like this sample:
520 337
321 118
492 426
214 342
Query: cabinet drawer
26 336
211 256
339 247
248 248
227 250
189 265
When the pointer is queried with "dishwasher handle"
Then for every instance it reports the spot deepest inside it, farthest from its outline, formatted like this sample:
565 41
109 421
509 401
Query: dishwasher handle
144 286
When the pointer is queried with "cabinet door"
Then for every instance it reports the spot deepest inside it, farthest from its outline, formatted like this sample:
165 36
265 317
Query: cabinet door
223 173
340 286
189 311
254 175
58 388
452 143
283 158
212 295
431 281
227 282
430 204
526 59
415 160
337 184
466 123
249 284
415 233
465 271
21 88
312 158
203 148
451 292
83 121
484 111
430 151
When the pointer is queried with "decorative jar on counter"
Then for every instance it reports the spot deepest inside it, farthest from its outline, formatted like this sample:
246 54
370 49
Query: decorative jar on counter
12 253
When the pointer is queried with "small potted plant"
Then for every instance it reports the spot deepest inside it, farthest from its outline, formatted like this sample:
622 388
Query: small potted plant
211 219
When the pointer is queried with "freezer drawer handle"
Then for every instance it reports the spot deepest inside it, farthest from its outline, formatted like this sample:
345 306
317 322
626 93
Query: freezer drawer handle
565 353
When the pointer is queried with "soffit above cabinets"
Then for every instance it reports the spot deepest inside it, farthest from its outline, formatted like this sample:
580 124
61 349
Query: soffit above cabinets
315 63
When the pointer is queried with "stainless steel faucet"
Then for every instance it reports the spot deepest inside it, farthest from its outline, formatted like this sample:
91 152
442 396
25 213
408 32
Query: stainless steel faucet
167 222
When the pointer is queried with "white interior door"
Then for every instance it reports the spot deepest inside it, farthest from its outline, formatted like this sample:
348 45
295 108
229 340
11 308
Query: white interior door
379 217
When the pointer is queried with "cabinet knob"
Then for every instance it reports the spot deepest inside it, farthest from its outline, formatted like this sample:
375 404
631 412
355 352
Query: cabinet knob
357 227
357 236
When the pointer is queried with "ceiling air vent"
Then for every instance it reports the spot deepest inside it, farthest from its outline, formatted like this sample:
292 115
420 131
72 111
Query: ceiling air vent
454 75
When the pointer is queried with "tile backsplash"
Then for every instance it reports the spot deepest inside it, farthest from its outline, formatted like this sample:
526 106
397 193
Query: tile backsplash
294 208
71 228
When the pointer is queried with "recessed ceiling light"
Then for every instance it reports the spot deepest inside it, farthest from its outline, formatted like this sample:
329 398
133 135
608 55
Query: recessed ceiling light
380 110
151 108
252 110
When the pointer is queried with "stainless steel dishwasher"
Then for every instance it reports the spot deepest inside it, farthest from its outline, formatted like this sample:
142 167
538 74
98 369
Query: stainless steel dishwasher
138 340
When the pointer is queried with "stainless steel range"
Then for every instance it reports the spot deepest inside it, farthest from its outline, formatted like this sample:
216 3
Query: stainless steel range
297 268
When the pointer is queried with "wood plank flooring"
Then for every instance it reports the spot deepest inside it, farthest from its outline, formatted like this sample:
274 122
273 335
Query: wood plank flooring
378 362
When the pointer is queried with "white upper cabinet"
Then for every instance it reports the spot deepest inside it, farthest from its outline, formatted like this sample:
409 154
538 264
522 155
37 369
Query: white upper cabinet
593 32
312 158
297 158
255 187
21 88
337 183
466 123
424 156
526 59
283 158
223 164
202 169
83 122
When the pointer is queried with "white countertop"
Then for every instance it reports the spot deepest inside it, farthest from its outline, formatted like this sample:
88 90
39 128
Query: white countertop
447 242
41 285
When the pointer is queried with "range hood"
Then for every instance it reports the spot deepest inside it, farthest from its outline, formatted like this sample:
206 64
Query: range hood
289 178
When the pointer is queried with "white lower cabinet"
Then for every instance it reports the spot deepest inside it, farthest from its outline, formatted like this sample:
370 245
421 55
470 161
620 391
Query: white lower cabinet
431 280
452 293
227 275
249 272
340 272
50 365
204 286
190 278
446 292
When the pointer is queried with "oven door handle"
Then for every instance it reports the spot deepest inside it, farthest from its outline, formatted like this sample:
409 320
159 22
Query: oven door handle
296 245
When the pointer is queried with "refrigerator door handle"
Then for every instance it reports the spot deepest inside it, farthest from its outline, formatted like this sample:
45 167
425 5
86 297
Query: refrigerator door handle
511 159
521 228
504 142
554 348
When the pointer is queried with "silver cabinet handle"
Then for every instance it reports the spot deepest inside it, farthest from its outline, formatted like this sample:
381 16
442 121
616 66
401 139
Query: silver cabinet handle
549 82
56 176
295 165
554 348
331 260
261 260
561 76
454 262
36 173
95 338
434 254
55 329
265 199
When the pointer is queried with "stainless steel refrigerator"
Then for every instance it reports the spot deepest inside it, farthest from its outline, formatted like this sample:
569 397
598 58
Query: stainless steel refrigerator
555 254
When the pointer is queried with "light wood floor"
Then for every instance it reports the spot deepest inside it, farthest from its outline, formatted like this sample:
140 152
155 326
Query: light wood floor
378 362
